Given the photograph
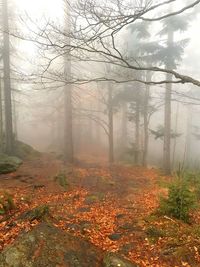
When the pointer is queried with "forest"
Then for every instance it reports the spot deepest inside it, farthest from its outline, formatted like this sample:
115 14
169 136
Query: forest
99 133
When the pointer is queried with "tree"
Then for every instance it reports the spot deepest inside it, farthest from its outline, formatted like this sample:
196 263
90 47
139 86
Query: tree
89 39
68 120
110 123
97 39
170 55
1 118
9 138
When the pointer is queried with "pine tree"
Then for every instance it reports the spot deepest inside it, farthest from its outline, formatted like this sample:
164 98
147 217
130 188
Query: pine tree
170 55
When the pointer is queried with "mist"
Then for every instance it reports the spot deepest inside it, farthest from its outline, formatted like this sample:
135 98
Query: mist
103 97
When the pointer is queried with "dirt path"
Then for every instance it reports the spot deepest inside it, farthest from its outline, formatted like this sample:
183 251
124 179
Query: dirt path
110 207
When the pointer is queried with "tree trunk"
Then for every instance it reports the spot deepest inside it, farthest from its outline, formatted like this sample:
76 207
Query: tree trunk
137 127
68 128
167 134
110 123
146 121
1 119
188 155
9 140
167 118
175 139
123 142
68 133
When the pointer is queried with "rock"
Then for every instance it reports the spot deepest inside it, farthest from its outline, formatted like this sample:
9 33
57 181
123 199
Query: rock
120 215
40 213
25 151
130 227
9 164
38 186
73 227
84 209
47 245
113 260
126 248
115 236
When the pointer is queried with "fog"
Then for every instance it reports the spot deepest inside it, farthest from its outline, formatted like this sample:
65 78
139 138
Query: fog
60 47
99 133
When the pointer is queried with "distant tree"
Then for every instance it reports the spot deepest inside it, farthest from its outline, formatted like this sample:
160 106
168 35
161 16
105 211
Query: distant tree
110 123
1 117
143 51
68 106
9 137
170 55
159 133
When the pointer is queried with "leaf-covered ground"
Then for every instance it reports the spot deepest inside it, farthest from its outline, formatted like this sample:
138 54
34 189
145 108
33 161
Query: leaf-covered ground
112 207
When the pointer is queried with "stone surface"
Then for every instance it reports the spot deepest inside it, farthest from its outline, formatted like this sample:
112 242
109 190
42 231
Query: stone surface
113 260
49 246
115 236
9 164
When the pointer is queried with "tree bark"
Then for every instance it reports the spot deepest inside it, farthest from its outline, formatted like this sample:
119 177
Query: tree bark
68 124
68 134
167 118
167 133
1 118
9 140
123 142
110 123
146 121
137 127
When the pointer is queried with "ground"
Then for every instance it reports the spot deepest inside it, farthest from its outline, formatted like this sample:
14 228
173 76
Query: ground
112 207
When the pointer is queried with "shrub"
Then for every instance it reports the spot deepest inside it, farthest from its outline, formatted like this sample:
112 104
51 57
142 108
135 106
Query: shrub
62 180
180 201
154 233
6 203
9 164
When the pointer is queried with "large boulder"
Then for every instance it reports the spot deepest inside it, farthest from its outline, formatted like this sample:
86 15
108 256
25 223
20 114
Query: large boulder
25 151
9 164
49 246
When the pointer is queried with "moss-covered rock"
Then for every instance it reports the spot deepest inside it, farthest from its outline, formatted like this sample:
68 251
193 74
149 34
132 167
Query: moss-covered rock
9 164
47 245
113 260
40 213
25 151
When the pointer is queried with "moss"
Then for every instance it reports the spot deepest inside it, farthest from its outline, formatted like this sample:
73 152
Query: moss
6 203
90 199
9 164
40 213
25 151
151 218
112 260
154 233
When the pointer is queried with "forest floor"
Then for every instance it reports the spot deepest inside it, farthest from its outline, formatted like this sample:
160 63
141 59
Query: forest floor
112 207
